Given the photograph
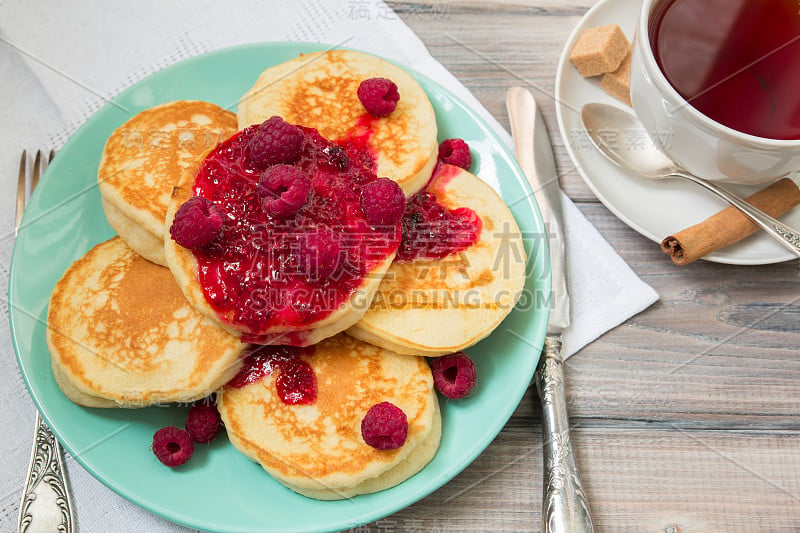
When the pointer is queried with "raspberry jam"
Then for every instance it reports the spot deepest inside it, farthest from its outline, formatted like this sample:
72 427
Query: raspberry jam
259 275
296 381
356 141
431 231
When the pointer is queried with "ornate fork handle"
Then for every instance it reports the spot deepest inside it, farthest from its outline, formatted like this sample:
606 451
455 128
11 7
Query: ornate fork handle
45 493
565 508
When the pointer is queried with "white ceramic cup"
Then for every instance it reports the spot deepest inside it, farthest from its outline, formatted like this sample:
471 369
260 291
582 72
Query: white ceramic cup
701 145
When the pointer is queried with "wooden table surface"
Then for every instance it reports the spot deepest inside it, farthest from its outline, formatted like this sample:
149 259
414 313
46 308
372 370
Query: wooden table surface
686 418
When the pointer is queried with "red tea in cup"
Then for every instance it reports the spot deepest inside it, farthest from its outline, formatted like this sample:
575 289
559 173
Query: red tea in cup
735 61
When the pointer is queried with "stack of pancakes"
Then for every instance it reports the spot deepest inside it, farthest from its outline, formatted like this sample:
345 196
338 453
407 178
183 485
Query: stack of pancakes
128 324
119 330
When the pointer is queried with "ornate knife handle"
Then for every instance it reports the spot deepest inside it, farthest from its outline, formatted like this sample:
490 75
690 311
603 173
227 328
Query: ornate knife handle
46 489
565 508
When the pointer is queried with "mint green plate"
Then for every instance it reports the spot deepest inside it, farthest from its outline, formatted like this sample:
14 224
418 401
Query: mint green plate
219 489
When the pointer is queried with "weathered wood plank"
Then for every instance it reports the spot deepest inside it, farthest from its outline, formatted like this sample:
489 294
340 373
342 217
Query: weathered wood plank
720 349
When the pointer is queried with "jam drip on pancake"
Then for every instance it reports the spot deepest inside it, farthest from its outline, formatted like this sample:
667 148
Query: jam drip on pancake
356 141
431 231
296 383
260 274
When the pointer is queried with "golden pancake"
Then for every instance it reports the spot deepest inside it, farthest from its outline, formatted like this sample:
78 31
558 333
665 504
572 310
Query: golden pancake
317 449
121 334
145 157
436 307
318 90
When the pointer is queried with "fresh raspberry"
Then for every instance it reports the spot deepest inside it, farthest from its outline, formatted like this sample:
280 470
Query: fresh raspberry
455 152
173 446
379 96
276 141
203 422
322 254
454 375
197 223
383 202
385 426
284 190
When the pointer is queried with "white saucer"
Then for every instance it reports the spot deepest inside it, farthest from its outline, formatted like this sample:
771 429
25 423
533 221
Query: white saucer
655 209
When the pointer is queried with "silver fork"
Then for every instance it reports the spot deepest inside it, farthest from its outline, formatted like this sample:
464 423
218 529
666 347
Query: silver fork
46 503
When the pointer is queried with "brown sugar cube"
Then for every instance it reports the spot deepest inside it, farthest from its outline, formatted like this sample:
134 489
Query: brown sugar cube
618 83
600 50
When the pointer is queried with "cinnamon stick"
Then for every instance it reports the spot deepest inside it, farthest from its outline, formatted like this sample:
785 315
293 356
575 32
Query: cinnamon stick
729 225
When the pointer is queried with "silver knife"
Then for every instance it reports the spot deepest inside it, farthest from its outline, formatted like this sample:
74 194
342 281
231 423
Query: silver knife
564 506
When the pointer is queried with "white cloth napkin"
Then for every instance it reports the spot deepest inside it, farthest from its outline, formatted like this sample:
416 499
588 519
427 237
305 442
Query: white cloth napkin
59 64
